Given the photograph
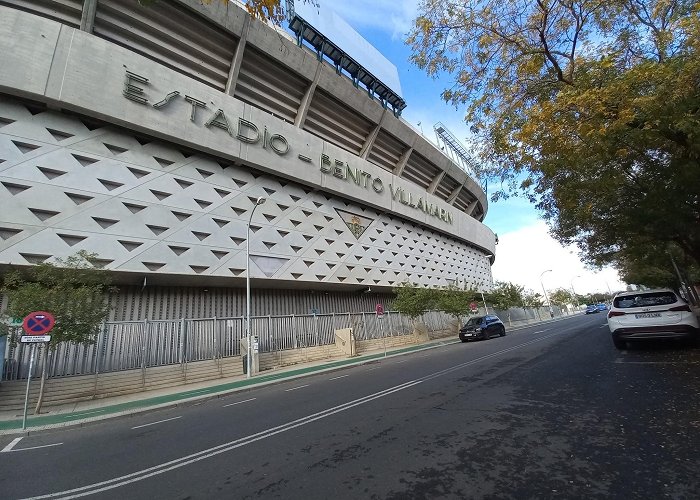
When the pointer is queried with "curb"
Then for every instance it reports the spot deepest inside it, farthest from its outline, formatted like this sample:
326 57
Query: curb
186 398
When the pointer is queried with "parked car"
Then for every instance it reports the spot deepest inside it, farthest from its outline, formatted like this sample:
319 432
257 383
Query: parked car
602 307
482 328
591 308
651 314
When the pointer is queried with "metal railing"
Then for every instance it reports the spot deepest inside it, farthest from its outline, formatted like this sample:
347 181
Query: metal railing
128 345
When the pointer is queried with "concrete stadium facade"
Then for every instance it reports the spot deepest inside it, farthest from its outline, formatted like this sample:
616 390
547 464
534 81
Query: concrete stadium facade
145 135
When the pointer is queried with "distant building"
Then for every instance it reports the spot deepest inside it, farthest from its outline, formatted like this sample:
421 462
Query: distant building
146 134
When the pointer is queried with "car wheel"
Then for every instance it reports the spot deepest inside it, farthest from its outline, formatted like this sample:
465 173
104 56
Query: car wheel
503 332
620 344
463 340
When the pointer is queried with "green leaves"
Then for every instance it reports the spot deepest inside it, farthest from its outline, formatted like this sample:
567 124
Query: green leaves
72 289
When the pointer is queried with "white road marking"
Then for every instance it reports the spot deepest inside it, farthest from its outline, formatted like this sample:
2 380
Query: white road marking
341 376
399 362
37 447
239 402
158 422
625 362
11 447
133 477
541 331
295 388
12 444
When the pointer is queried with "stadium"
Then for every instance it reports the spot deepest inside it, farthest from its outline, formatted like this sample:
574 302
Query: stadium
147 135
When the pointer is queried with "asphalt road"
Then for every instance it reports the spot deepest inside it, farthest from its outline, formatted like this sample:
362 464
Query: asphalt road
551 411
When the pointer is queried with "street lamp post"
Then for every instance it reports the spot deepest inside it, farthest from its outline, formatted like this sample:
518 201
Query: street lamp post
546 297
574 291
259 201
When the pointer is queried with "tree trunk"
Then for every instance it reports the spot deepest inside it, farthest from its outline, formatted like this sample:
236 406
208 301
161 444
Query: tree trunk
40 399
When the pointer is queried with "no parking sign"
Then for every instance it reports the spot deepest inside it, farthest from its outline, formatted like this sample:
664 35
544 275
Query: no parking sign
37 325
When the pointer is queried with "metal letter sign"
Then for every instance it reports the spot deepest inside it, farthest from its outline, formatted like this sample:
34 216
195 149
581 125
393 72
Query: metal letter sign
380 310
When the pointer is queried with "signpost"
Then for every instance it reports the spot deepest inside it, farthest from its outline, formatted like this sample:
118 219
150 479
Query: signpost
36 325
380 315
474 307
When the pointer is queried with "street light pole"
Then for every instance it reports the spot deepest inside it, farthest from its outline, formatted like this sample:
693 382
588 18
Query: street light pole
546 297
259 201
574 291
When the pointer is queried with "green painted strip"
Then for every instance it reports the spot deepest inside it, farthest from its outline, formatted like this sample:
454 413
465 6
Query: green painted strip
172 398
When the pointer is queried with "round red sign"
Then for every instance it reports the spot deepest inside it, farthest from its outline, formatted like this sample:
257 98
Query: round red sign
38 323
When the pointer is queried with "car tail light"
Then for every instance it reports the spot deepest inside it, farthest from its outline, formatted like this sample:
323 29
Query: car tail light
615 313
684 307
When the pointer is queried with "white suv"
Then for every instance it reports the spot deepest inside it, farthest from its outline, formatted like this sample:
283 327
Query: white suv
651 314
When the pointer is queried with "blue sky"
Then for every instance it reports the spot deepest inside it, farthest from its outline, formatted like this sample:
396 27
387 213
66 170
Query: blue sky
525 249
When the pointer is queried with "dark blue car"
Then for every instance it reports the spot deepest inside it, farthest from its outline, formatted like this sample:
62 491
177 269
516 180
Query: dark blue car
482 328
591 308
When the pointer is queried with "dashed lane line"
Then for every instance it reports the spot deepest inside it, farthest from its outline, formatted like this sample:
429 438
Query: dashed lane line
341 376
295 388
158 422
239 402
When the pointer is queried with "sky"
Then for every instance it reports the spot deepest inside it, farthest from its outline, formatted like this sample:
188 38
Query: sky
525 250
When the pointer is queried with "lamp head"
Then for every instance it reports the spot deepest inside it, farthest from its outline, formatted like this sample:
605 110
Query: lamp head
260 200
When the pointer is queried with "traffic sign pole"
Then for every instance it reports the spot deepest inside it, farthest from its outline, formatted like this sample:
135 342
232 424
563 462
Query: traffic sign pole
29 380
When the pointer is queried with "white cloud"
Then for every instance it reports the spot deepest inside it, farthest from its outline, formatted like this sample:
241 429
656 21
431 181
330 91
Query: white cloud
392 16
522 256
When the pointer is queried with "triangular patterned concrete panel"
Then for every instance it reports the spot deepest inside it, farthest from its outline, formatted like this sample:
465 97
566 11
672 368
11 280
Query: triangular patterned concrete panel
219 254
43 215
221 222
15 189
137 172
59 135
183 183
238 241
110 185
71 239
357 224
157 229
161 195
34 258
8 232
130 245
153 266
181 215
235 271
203 203
199 269
78 199
178 250
133 207
51 173
163 162
25 147
115 150
105 223
268 265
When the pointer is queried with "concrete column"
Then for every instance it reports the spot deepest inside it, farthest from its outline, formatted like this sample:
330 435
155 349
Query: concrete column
438 179
403 161
471 207
87 20
373 136
451 199
237 58
306 100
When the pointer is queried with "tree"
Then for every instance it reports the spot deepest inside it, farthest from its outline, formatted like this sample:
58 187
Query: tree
533 300
505 295
590 108
413 301
561 297
455 302
72 289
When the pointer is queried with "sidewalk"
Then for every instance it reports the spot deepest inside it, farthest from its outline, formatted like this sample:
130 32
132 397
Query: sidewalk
78 414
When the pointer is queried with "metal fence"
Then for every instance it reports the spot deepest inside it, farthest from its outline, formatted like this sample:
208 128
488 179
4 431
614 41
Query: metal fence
128 345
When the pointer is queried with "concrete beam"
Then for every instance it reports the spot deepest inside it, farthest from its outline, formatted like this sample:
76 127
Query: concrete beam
438 179
403 161
453 196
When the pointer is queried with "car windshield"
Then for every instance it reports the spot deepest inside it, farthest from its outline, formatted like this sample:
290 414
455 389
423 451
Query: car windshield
475 321
645 300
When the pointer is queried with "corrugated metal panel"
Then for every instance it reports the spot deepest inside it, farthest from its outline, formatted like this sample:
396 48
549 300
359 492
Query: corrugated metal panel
267 85
386 151
170 35
64 11
334 122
